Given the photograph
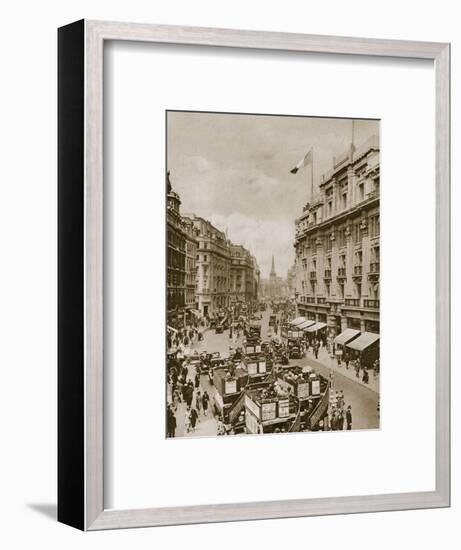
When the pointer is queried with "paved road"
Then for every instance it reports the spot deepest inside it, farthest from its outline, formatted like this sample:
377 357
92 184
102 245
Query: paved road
363 400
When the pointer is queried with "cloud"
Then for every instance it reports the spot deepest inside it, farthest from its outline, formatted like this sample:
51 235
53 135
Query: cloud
262 237
202 164
235 171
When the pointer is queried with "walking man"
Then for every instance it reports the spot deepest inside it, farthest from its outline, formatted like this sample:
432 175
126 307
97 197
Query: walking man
349 418
198 402
171 423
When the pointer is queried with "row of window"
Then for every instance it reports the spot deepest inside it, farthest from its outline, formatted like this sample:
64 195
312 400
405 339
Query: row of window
176 240
175 278
358 255
357 228
310 287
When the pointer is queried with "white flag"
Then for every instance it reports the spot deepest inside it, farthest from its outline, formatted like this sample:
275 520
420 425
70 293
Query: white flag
303 162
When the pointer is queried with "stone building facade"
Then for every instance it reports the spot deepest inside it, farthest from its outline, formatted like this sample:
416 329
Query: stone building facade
176 258
213 263
191 234
337 245
241 274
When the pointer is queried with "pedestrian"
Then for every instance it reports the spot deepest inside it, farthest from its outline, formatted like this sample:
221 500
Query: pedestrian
174 377
375 368
334 421
187 420
340 397
349 418
365 376
171 423
340 420
198 402
346 360
197 380
205 401
193 418
189 395
183 387
357 368
176 398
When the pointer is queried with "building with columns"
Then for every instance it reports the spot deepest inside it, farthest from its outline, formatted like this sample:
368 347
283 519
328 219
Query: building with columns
242 274
337 245
213 267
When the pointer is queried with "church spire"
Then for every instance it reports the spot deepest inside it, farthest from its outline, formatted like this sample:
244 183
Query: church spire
273 274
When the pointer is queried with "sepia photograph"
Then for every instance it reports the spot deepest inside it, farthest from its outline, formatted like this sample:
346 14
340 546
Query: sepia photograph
273 274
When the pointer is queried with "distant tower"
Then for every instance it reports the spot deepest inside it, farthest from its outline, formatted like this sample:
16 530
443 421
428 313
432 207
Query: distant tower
273 280
273 274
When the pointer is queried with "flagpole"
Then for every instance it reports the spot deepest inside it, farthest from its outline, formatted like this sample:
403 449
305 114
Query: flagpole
312 177
352 137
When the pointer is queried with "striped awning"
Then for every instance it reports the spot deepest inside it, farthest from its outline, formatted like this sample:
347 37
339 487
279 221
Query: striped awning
306 324
346 336
363 341
315 327
298 321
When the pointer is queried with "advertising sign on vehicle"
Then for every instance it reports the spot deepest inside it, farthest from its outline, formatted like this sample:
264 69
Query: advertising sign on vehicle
284 407
230 386
268 411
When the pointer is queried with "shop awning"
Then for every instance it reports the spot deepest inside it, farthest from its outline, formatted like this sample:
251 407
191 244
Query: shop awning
306 324
298 321
346 336
315 327
363 341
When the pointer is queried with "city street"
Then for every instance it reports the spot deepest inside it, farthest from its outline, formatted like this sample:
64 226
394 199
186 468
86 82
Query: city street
363 400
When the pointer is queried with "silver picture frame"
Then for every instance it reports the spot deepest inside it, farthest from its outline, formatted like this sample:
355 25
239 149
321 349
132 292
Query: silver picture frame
80 311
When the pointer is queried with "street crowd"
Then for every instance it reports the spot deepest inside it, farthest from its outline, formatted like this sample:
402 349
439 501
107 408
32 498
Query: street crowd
189 403
186 390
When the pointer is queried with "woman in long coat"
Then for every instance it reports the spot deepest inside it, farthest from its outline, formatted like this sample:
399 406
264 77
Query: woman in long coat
193 418
205 400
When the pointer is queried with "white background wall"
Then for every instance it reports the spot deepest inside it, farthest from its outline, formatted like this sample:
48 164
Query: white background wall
28 275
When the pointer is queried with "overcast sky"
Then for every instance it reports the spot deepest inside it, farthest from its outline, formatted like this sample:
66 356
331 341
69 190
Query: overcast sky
235 171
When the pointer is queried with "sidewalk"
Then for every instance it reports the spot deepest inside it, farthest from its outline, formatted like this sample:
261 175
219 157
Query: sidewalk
325 359
206 424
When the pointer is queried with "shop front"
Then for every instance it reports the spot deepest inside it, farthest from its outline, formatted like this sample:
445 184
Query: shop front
317 330
365 347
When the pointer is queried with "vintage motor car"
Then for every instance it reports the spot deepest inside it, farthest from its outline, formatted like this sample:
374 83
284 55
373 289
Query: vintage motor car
295 352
